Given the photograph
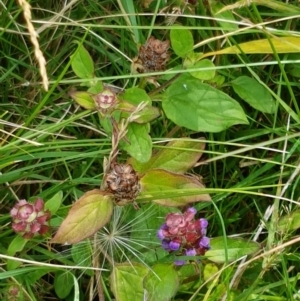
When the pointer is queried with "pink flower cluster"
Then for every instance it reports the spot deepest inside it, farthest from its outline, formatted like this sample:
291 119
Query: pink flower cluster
30 218
183 234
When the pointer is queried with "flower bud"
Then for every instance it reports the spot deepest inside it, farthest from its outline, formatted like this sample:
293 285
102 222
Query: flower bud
174 245
105 100
30 218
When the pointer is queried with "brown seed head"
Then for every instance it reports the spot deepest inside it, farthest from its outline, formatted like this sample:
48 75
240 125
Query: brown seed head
154 55
123 182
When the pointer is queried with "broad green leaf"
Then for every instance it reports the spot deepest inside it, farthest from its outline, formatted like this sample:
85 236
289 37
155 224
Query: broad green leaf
63 283
289 222
177 156
160 184
237 248
54 203
145 115
210 269
82 63
182 41
205 74
216 7
90 213
255 94
136 95
16 245
140 143
281 45
161 283
200 107
127 281
84 99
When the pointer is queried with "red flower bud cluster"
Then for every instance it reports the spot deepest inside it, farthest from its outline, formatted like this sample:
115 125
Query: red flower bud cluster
183 234
30 218
106 100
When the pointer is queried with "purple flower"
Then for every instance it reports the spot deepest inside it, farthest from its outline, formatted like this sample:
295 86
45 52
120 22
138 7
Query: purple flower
166 244
174 245
191 252
190 213
204 242
160 234
203 223
184 235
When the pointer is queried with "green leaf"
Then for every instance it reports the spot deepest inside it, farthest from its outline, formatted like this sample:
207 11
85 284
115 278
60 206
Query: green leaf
63 284
136 95
90 213
289 222
200 107
145 115
177 156
96 88
82 63
255 94
127 281
160 184
33 277
205 74
16 245
182 41
210 269
84 99
140 143
218 13
54 203
161 283
237 248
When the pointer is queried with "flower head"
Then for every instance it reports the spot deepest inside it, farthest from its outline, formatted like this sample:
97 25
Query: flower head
123 182
183 234
30 218
106 100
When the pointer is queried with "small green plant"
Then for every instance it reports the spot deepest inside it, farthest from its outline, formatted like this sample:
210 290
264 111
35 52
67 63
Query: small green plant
153 172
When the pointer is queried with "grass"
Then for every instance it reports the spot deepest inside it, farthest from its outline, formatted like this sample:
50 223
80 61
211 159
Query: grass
52 147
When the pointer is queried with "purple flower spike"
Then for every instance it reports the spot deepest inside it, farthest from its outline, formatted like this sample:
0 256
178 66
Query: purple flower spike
174 245
179 262
204 242
191 252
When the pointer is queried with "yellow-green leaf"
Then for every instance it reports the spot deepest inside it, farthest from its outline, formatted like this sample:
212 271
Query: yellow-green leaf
90 213
281 45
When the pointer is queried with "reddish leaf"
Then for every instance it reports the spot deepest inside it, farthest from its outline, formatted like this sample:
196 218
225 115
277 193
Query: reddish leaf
165 186
90 213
